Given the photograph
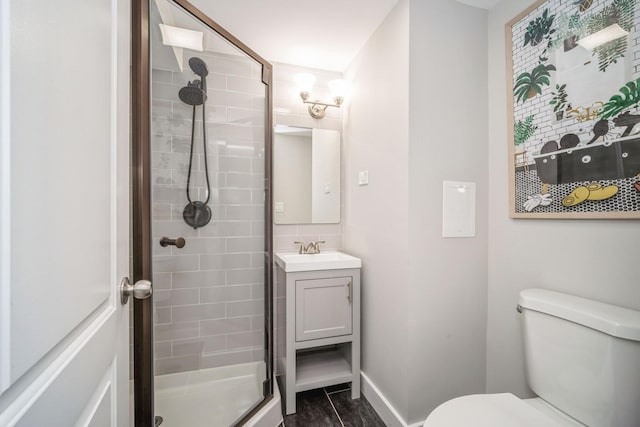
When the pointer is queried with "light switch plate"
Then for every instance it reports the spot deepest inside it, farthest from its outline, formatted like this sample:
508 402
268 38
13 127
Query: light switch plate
278 207
363 178
458 209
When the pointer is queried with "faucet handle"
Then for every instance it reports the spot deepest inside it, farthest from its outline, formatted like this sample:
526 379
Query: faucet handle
316 245
300 251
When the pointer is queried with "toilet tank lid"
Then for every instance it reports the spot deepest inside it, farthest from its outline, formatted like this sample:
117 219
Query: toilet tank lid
613 320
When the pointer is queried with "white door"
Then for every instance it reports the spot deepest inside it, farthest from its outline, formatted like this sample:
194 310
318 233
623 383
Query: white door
64 217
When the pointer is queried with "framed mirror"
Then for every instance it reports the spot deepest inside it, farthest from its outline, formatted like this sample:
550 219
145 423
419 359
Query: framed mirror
306 175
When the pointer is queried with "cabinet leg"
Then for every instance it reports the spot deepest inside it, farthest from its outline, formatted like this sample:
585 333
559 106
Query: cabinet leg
290 401
355 388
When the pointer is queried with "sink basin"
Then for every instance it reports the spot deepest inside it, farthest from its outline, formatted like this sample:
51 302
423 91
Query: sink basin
329 260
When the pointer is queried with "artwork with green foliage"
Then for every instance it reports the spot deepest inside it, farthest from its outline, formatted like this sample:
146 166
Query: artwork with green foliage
539 29
583 5
617 104
560 100
574 109
620 12
569 27
529 84
523 130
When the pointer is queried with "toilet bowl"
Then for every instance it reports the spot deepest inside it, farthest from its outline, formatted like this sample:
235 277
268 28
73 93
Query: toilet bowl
497 410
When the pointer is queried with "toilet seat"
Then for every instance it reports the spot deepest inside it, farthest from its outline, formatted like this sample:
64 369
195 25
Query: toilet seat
490 410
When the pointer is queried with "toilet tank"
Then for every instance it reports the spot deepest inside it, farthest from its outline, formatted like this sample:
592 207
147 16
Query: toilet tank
583 357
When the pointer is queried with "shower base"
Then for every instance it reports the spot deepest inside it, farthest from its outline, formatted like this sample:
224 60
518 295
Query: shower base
208 397
214 397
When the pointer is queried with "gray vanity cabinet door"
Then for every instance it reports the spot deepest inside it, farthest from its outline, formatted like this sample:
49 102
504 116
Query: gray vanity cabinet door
323 308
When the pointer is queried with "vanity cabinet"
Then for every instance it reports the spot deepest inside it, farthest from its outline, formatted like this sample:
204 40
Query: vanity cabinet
318 330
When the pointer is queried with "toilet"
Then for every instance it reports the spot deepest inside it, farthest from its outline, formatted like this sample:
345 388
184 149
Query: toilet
582 361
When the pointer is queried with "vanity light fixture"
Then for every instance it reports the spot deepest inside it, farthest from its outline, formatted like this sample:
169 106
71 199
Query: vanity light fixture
318 109
612 32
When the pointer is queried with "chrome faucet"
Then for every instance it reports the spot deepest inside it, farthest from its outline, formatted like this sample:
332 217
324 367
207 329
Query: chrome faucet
311 248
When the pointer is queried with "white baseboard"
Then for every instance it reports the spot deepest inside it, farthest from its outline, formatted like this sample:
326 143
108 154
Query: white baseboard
381 404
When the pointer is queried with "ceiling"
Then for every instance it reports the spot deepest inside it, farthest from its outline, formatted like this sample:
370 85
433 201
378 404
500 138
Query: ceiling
325 35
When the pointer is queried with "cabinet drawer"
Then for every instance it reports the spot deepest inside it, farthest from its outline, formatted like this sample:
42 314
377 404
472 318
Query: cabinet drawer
323 308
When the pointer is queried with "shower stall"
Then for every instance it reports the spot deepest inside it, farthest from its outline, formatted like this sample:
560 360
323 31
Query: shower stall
201 221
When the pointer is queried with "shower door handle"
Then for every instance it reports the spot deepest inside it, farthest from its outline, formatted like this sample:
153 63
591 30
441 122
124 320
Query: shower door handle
142 289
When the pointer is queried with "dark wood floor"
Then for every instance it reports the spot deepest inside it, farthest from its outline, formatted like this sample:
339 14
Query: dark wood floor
332 406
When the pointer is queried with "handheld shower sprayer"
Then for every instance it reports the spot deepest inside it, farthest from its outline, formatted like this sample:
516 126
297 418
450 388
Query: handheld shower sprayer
197 213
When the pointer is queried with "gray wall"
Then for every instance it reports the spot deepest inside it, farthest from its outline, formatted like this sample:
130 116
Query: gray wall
448 141
375 216
593 259
423 296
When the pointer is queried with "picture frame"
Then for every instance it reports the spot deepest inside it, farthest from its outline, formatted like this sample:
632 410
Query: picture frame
573 102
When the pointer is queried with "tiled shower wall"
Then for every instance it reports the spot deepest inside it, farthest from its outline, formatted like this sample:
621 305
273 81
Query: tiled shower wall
209 296
289 110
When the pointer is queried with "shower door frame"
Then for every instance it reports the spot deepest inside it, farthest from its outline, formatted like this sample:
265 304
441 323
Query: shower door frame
141 207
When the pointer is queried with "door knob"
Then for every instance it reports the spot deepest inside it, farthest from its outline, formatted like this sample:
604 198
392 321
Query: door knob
178 243
140 290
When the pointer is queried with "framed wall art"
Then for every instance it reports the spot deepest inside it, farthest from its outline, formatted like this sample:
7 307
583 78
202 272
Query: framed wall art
573 70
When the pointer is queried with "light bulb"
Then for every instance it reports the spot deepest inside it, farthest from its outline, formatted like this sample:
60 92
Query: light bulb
305 82
338 88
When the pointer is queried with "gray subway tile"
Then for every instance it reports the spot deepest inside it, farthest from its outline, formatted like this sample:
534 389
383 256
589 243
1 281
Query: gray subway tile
257 323
167 194
175 263
226 228
225 261
175 297
232 66
225 294
245 244
161 281
162 349
237 293
161 76
234 196
225 326
234 164
162 315
244 340
257 291
202 345
258 260
174 365
176 331
245 308
190 313
160 108
212 295
198 279
246 276
244 212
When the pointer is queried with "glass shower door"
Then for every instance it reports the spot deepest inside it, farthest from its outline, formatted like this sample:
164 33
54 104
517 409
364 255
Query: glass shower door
209 151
